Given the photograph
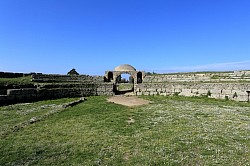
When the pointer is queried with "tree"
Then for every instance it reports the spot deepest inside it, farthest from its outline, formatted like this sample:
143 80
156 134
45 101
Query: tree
131 79
119 78
73 72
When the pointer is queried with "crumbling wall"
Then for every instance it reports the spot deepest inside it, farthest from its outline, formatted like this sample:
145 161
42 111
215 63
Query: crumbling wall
222 85
13 75
53 91
237 76
65 78
231 91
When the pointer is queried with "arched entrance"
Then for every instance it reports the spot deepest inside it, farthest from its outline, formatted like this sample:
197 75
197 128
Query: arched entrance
110 76
123 84
139 77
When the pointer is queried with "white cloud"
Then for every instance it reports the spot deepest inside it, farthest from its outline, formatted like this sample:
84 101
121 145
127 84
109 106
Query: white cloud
228 66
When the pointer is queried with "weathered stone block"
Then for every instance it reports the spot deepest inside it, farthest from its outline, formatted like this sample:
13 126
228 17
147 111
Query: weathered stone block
138 93
14 91
163 94
226 91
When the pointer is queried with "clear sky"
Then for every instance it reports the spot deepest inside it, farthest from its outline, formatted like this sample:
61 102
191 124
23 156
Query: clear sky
54 36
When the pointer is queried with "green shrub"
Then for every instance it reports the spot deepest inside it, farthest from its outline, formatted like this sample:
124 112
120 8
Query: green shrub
215 77
176 93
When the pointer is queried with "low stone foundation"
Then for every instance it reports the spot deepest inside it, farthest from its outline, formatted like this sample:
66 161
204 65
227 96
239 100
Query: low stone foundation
54 91
230 91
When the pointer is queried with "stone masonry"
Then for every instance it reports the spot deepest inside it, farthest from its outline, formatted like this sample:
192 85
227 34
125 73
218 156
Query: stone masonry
55 86
221 85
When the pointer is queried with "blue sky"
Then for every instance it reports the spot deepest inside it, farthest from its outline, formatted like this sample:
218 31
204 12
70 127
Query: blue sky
54 36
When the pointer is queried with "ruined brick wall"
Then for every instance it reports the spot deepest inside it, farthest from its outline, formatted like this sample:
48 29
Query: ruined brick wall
199 77
224 85
13 75
227 90
51 86
54 91
65 78
220 85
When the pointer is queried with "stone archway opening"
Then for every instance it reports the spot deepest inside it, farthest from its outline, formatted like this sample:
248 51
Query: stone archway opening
124 78
139 77
124 84
110 76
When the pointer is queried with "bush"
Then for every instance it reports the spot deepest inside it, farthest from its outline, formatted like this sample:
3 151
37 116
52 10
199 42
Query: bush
176 93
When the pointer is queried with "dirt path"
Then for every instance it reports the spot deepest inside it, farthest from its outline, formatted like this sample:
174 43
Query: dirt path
128 100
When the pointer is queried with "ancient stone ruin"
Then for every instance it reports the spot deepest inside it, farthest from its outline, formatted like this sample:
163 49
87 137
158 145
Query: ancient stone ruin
232 85
112 76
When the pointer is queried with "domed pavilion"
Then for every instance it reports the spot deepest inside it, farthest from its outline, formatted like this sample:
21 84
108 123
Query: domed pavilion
111 76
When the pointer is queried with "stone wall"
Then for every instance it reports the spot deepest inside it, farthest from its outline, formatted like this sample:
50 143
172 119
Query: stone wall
231 91
53 91
237 76
65 78
221 85
51 86
13 75
4 88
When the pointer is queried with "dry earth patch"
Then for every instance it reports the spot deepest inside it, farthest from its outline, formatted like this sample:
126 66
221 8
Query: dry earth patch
128 100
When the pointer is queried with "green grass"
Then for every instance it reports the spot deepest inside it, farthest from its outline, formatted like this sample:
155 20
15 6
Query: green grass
16 81
125 86
12 116
170 131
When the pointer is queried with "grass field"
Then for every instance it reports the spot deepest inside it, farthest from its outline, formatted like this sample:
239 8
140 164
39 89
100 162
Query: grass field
16 81
170 131
125 86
